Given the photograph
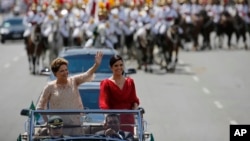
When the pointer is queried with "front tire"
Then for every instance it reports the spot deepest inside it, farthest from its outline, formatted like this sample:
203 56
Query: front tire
2 41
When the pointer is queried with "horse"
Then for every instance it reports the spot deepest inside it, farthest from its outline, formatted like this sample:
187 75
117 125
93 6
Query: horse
206 29
35 49
224 27
129 30
100 38
192 30
168 41
240 29
78 34
144 47
55 42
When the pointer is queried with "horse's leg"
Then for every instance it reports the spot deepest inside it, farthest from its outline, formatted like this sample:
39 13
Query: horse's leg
30 59
218 35
244 38
220 42
208 41
43 57
139 58
176 49
150 56
52 53
132 48
33 64
37 65
205 42
229 40
140 54
121 44
144 58
176 54
166 58
195 42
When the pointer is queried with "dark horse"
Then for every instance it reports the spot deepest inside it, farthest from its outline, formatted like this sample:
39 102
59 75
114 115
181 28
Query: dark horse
192 30
224 27
240 29
35 49
145 49
206 29
169 43
173 42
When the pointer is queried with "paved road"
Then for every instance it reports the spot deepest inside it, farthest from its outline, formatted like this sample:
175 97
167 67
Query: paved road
208 92
18 89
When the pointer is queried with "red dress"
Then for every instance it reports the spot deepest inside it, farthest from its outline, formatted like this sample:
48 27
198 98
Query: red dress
112 97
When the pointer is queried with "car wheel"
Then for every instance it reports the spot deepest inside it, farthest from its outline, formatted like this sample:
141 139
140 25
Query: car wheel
2 41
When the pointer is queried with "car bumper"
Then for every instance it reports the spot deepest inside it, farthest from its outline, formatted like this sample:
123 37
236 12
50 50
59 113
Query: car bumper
16 35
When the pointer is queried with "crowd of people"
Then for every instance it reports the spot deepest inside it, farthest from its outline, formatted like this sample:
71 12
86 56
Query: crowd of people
137 25
78 21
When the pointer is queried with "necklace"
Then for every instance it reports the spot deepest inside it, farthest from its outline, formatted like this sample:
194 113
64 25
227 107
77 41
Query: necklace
118 83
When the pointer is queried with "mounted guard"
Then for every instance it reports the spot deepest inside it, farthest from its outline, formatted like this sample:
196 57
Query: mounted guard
101 30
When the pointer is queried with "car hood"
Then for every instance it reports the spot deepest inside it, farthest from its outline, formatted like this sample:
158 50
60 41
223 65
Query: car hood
16 28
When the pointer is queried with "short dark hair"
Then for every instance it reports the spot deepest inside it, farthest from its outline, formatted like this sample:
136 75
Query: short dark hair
114 59
112 115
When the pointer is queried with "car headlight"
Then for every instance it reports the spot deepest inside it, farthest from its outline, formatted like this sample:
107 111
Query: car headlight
4 31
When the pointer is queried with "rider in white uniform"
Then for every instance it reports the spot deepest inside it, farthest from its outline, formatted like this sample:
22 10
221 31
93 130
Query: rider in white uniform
100 25
216 10
32 18
243 11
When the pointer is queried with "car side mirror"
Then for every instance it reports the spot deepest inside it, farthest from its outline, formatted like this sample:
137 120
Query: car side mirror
45 71
25 112
130 71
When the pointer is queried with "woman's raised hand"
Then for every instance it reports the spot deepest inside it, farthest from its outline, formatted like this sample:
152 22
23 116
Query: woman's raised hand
98 57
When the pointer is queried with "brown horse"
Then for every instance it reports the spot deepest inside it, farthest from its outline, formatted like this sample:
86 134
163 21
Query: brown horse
173 42
224 27
35 50
192 30
206 30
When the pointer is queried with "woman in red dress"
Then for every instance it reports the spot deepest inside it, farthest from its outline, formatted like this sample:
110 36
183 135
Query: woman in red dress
118 92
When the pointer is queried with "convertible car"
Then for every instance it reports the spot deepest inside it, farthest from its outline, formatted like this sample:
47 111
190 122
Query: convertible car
91 121
92 117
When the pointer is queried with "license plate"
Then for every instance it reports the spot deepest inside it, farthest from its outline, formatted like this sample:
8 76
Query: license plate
16 35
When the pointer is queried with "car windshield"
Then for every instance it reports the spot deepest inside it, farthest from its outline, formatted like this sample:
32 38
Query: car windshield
86 126
12 22
81 63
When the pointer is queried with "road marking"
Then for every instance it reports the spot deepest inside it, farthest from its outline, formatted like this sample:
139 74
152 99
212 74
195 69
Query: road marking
218 105
196 78
205 90
7 65
187 69
233 122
